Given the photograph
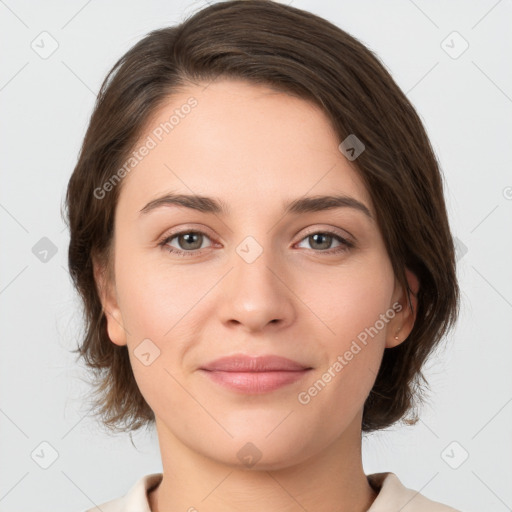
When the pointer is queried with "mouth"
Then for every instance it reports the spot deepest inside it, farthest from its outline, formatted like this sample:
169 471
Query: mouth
254 374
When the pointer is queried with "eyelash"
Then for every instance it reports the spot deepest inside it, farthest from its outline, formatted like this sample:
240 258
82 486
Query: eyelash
345 244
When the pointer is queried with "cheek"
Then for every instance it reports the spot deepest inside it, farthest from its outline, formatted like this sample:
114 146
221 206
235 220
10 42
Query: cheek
153 297
350 299
161 307
157 310
354 306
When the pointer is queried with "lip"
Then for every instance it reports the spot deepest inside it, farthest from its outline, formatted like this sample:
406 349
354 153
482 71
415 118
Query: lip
254 374
245 363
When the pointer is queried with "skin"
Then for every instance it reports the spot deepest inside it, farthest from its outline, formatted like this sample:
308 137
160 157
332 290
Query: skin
253 148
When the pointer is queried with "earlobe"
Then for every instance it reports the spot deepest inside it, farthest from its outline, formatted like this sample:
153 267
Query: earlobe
107 295
403 322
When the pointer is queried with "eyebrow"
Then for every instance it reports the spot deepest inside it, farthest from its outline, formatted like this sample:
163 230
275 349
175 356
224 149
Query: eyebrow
216 206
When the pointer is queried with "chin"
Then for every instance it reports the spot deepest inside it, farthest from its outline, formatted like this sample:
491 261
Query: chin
254 450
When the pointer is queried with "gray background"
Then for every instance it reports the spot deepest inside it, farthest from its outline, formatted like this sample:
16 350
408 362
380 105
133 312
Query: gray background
465 102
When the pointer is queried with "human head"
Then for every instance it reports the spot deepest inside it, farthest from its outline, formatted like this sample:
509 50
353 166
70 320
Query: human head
300 54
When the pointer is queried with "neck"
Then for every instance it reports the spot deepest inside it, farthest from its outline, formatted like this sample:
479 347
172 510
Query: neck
332 480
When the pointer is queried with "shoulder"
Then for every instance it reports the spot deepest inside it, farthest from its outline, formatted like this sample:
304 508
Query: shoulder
393 495
135 500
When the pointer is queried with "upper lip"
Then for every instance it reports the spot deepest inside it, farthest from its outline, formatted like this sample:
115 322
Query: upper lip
245 363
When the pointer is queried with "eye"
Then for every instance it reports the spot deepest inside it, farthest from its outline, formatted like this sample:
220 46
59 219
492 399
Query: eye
191 241
322 240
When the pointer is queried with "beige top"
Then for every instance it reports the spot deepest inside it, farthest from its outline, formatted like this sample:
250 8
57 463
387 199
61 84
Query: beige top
392 497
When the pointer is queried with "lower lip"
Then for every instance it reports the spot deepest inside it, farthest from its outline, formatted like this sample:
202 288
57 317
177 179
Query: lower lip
255 382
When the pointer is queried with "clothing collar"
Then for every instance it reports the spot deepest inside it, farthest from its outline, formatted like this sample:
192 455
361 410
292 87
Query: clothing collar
392 496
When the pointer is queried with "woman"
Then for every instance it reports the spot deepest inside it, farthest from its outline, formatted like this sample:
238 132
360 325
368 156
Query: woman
260 240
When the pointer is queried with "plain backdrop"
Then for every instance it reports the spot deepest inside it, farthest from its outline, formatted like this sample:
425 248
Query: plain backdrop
448 57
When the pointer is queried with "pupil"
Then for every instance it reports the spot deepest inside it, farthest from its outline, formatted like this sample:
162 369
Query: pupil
189 239
320 236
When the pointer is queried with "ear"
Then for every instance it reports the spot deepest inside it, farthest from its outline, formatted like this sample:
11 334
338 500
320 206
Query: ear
400 326
106 290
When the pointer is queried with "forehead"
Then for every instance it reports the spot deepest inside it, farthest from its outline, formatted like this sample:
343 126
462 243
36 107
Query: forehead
249 145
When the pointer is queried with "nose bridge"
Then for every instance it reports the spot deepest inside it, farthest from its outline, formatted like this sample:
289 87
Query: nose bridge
252 272
255 295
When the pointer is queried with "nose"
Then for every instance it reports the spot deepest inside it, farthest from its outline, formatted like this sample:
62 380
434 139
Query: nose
257 295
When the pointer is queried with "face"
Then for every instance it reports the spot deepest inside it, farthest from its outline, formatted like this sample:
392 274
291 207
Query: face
254 276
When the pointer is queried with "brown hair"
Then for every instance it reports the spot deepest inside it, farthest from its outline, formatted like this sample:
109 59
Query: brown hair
299 53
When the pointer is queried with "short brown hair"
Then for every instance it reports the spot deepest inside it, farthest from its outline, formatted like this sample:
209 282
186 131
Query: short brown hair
298 53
